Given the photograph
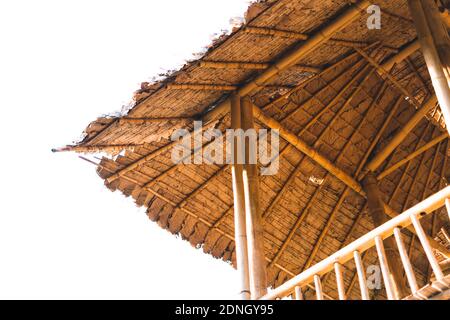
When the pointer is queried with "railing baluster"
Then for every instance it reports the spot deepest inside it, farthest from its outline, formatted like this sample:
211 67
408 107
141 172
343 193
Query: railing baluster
405 261
426 247
390 291
447 205
298 293
339 281
361 276
318 285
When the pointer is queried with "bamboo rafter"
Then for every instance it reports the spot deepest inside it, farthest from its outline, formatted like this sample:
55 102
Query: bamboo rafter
151 120
391 78
249 65
414 154
98 148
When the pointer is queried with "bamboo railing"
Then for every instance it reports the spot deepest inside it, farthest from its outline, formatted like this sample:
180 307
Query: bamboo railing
372 239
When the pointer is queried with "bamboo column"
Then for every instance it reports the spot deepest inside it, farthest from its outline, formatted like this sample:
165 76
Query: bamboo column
240 232
430 52
255 231
376 210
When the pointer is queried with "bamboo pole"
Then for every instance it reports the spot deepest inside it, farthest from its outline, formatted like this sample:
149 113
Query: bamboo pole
306 149
255 231
432 58
447 206
440 35
389 77
143 120
233 65
405 52
413 155
385 270
275 32
427 248
361 276
318 286
340 281
293 57
242 261
405 261
97 148
379 158
298 293
196 86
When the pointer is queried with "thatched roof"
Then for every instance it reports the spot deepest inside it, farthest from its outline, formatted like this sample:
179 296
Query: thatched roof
307 220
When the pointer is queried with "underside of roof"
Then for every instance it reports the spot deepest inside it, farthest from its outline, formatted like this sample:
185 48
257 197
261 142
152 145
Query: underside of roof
334 99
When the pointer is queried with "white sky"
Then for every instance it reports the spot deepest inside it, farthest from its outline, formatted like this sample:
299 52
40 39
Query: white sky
62 233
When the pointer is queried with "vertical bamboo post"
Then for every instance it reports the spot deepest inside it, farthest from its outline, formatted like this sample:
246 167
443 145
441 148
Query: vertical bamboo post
439 32
318 286
240 232
376 210
255 231
406 262
340 281
388 284
361 276
432 59
427 248
298 293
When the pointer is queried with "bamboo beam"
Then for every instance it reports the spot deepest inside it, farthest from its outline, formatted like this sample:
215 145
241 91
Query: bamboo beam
418 75
413 155
275 32
440 34
293 57
125 120
97 148
440 80
307 150
389 77
379 158
249 66
405 52
197 86
242 261
255 231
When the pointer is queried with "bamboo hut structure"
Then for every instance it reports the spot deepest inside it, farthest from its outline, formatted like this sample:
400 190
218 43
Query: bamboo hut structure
363 117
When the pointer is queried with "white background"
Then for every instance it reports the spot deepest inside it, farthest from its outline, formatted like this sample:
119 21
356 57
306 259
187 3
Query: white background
62 233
